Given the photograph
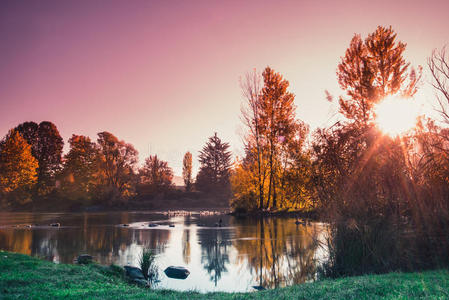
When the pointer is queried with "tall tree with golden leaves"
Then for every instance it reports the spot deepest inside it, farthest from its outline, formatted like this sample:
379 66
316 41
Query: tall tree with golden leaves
277 121
17 169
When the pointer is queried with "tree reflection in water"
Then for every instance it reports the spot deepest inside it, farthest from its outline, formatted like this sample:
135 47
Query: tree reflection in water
278 252
269 252
109 244
214 251
186 246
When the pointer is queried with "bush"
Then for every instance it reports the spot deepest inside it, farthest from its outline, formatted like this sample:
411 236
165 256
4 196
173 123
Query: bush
148 265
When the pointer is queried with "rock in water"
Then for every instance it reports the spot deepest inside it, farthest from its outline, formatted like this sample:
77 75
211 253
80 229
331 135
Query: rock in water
55 224
177 272
152 225
84 259
134 273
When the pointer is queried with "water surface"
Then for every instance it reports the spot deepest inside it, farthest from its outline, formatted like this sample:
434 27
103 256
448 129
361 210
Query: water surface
242 253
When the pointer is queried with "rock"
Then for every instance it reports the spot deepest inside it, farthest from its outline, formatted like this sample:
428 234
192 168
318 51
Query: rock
125 225
258 287
152 225
84 259
177 272
171 225
134 273
55 224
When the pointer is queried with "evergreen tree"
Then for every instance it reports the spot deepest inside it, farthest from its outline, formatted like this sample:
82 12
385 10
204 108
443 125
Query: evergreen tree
214 173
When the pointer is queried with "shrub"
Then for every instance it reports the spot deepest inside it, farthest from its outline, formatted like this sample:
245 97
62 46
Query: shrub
148 265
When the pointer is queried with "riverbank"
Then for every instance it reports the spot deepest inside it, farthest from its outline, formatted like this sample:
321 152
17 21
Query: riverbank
25 277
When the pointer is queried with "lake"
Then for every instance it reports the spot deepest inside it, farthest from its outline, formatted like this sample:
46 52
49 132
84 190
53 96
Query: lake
242 253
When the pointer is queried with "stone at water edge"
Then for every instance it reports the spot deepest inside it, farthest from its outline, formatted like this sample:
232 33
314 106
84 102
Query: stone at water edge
177 272
84 259
134 273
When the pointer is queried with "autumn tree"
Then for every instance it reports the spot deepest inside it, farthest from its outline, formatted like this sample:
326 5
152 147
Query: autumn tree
46 146
215 165
273 139
371 70
81 171
117 162
187 171
352 154
277 121
17 169
156 174
245 185
361 175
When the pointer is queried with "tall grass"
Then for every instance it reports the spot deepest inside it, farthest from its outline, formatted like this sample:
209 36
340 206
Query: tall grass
381 245
148 265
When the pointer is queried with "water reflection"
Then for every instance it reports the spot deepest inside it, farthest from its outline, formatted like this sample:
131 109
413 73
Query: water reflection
278 251
214 251
268 252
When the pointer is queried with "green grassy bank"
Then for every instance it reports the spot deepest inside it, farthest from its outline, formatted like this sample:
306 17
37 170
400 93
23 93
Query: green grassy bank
24 277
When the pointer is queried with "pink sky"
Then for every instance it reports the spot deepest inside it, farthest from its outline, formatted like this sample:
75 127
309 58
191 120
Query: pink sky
164 75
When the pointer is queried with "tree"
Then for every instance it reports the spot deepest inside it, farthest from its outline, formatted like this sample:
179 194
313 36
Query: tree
245 184
49 155
438 65
277 122
117 162
187 171
273 144
17 168
81 168
371 70
29 131
46 145
156 174
360 172
251 90
215 160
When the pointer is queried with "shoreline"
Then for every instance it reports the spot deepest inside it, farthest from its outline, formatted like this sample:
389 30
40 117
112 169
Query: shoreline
24 276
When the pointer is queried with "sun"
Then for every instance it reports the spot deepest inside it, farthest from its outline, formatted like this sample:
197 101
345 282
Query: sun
395 115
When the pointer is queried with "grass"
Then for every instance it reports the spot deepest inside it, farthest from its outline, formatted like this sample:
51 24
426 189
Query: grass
25 277
148 266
